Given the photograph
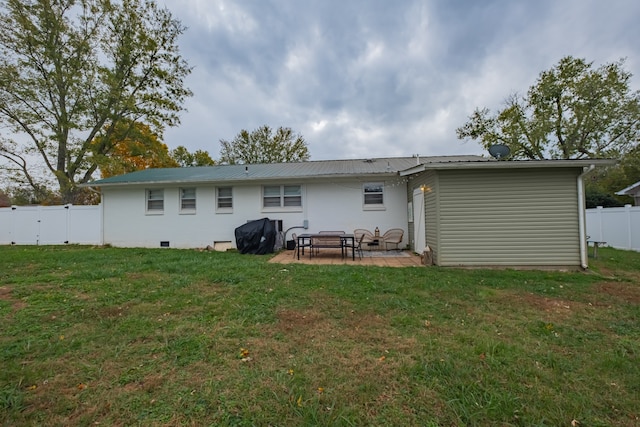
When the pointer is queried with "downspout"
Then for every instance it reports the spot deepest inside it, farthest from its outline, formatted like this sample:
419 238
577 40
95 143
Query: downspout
581 218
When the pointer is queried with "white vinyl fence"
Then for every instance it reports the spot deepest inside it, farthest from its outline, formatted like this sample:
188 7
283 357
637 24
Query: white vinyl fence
69 224
51 225
618 227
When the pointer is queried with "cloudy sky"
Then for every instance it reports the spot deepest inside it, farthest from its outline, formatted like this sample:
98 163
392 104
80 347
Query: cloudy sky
375 78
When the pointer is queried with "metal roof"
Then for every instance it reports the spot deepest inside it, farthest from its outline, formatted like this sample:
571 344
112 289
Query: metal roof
386 166
267 171
509 164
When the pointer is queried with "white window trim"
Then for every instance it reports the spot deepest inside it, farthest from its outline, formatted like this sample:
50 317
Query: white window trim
282 208
370 206
224 210
147 200
188 211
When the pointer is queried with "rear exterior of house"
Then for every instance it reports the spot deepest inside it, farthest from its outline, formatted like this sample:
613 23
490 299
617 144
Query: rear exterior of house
175 208
501 217
468 210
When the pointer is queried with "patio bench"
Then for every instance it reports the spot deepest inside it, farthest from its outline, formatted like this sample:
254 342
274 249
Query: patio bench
332 240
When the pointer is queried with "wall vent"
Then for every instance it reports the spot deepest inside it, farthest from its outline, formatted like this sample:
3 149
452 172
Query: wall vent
222 245
164 244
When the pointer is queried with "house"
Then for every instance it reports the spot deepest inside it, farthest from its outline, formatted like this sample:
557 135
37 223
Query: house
467 210
633 191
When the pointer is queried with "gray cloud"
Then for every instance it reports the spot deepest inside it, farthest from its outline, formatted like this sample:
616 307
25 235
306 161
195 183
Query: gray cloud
363 78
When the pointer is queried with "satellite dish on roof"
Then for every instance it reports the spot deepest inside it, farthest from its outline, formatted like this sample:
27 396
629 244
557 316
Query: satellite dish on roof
499 151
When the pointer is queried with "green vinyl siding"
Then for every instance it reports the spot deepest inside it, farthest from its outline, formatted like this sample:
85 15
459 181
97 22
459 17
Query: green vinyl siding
507 217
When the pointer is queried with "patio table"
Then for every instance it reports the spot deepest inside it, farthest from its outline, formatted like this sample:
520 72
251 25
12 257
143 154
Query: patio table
346 241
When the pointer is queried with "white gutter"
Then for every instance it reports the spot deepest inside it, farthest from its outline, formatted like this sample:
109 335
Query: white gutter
581 217
507 164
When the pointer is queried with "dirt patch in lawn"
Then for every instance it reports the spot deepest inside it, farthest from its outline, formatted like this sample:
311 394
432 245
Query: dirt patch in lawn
294 320
345 352
5 295
604 294
555 308
628 292
355 340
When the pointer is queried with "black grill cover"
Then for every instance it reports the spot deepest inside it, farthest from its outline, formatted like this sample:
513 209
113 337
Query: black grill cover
256 237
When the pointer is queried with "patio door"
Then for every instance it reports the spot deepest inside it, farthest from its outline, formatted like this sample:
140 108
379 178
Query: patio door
419 231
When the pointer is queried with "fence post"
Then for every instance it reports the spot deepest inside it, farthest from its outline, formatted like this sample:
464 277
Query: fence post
68 208
627 210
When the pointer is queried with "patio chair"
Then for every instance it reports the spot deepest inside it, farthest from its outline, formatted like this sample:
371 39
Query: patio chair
294 236
392 236
366 235
358 245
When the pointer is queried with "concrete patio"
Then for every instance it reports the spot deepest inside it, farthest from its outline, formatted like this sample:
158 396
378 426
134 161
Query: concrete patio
334 256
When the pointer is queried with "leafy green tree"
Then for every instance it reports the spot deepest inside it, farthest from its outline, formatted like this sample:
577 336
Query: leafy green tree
263 146
572 111
71 71
608 181
133 147
186 159
595 198
26 195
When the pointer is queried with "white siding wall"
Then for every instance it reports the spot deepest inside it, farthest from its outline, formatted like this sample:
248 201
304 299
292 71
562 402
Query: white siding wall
335 205
339 206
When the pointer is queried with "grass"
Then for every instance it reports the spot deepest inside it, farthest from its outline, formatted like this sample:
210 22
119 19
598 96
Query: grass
105 336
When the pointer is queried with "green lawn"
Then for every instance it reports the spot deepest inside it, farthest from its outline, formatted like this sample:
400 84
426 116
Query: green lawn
105 336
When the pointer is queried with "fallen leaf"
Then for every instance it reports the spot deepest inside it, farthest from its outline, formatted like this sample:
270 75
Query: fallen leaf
382 358
299 401
82 386
575 423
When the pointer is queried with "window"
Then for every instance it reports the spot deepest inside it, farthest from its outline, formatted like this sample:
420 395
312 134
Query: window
188 199
292 195
155 201
373 194
224 198
277 196
271 198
